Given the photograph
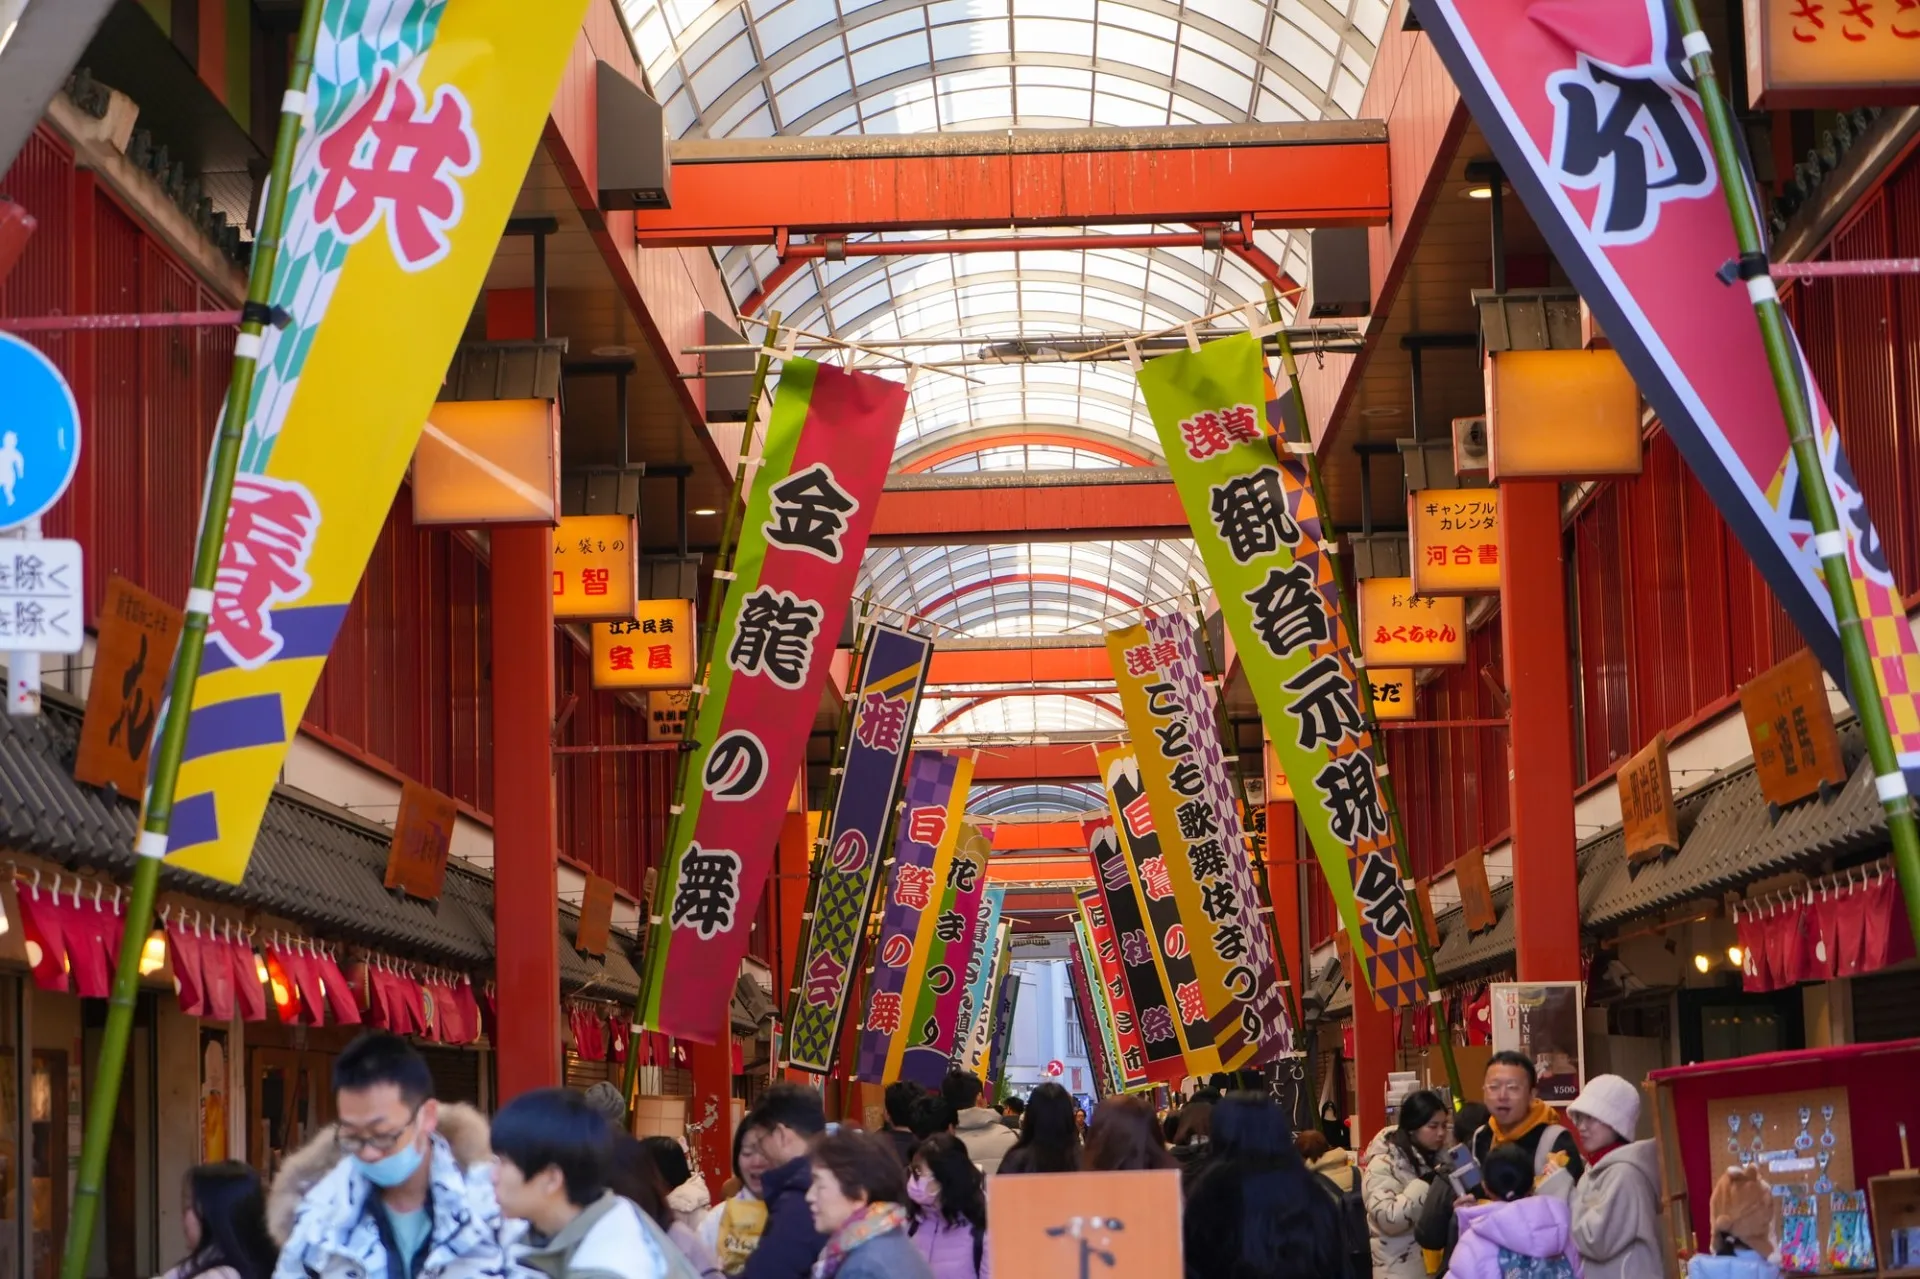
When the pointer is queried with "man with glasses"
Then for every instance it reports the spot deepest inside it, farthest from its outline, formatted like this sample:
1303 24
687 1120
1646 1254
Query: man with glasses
783 1127
1517 1115
398 1187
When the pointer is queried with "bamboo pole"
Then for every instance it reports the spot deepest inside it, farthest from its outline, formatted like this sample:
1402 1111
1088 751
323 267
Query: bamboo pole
856 671
103 1102
1230 740
1797 409
1388 799
655 954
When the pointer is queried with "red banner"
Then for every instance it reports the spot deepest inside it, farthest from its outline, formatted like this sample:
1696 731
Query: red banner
1107 970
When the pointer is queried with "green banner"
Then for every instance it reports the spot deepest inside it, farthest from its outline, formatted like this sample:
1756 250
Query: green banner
1258 531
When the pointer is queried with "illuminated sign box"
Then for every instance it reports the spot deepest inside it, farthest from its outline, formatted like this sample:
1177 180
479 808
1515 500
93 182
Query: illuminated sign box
488 462
1456 541
1399 627
1835 54
1561 415
595 569
654 649
1393 690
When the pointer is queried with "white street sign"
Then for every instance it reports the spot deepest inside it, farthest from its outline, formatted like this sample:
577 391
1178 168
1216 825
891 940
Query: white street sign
42 590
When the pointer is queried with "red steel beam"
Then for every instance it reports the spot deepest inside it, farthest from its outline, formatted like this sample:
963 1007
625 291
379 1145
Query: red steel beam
1065 513
827 245
1052 763
1015 436
1026 837
734 192
1042 870
1019 665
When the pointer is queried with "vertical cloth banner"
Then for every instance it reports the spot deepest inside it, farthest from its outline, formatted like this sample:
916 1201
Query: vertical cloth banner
926 1039
986 1027
1121 1025
1258 533
976 1009
421 119
1152 880
1005 1004
1152 1003
1086 1005
1597 122
892 673
936 796
1169 713
1200 1029
807 518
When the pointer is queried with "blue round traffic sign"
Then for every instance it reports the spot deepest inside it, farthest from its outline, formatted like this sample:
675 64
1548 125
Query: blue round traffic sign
39 433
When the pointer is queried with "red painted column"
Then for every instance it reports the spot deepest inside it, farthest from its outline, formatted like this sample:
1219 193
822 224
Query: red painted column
712 1105
1283 885
1533 631
526 891
1373 1060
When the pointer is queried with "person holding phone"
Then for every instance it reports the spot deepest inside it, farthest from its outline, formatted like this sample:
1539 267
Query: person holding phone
1395 1180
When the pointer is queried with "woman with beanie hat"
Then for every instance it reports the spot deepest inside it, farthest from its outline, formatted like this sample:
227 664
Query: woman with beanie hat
1616 1224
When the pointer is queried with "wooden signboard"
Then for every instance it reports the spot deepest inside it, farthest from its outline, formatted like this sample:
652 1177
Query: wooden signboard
1790 723
596 917
1116 1225
138 633
1476 895
422 835
1647 814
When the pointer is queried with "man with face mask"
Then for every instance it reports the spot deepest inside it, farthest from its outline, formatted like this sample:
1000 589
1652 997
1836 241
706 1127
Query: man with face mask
400 1187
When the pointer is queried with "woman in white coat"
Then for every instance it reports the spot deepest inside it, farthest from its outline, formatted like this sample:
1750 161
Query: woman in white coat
1616 1204
1394 1182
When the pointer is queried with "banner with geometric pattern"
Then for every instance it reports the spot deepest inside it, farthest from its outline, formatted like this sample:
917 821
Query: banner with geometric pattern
846 872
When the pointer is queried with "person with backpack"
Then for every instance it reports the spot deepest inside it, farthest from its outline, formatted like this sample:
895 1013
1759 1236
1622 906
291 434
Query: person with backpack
1518 1117
1253 1211
1517 1233
1334 1164
947 1209
1395 1182
1616 1206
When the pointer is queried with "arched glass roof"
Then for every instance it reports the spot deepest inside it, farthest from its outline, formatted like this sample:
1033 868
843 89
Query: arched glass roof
762 68
1024 457
1035 798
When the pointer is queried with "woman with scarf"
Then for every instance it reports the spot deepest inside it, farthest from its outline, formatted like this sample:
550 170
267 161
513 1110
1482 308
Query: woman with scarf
858 1197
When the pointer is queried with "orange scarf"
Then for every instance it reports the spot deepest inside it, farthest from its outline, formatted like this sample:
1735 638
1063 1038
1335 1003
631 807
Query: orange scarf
1541 1113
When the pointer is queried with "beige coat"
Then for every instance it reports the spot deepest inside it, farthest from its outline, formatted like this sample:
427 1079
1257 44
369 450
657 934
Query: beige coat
1394 1192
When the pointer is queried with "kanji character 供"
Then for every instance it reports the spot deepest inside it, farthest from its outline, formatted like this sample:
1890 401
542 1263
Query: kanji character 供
395 157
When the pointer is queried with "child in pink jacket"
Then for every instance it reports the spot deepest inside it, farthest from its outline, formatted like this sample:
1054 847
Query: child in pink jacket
1517 1235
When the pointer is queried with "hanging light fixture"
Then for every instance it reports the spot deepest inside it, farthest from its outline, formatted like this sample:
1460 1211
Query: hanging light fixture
1702 962
153 955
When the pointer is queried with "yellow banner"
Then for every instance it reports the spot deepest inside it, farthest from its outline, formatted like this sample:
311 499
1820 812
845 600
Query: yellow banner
424 115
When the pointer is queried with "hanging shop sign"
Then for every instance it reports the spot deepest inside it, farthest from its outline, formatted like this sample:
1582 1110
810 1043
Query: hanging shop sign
930 816
1456 541
138 633
1476 895
1088 1007
812 503
1563 415
667 714
484 462
893 670
1153 1004
1278 789
948 938
975 1022
1259 533
1207 1026
380 260
1169 712
1543 1022
596 569
1393 693
1401 627
1796 748
1648 818
422 838
1854 55
596 917
650 648
1636 251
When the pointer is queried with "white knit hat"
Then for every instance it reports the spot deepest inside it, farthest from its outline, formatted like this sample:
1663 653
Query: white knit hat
1612 1100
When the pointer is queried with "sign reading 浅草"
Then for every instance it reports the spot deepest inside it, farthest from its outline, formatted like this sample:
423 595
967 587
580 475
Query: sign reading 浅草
1258 531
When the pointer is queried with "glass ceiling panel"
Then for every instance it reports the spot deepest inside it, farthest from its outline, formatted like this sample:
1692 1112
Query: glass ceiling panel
1037 713
1028 798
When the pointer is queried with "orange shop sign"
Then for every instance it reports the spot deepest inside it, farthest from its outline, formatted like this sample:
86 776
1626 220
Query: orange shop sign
1832 53
652 649
595 567
1399 627
1456 541
1392 693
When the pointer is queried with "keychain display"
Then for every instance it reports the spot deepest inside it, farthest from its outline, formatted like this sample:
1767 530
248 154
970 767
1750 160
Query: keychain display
1849 1240
1804 1141
1825 1184
1827 1138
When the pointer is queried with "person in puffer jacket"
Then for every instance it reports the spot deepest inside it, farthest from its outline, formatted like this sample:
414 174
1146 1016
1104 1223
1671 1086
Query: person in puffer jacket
1616 1213
1394 1182
400 1187
1516 1233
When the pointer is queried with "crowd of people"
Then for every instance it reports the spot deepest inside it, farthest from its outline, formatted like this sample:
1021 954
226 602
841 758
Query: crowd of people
404 1186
